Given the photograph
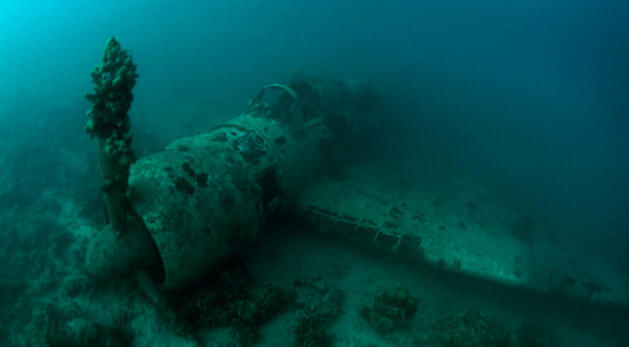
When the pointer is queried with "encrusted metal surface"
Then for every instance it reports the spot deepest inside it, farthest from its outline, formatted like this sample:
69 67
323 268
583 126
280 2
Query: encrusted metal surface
446 237
205 196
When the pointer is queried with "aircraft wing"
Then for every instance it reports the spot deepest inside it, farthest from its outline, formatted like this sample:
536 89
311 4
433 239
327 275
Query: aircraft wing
459 228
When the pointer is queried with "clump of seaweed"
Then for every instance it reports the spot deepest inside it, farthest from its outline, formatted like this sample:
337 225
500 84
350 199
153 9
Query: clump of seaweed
92 334
62 329
533 335
264 303
312 329
471 328
229 298
319 305
391 310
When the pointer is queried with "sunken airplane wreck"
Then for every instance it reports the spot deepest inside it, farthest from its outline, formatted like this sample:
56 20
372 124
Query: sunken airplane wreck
179 212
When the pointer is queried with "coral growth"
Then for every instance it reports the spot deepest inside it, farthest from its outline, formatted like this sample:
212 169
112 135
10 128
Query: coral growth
319 305
533 335
109 122
61 329
471 328
312 329
229 298
391 310
112 96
